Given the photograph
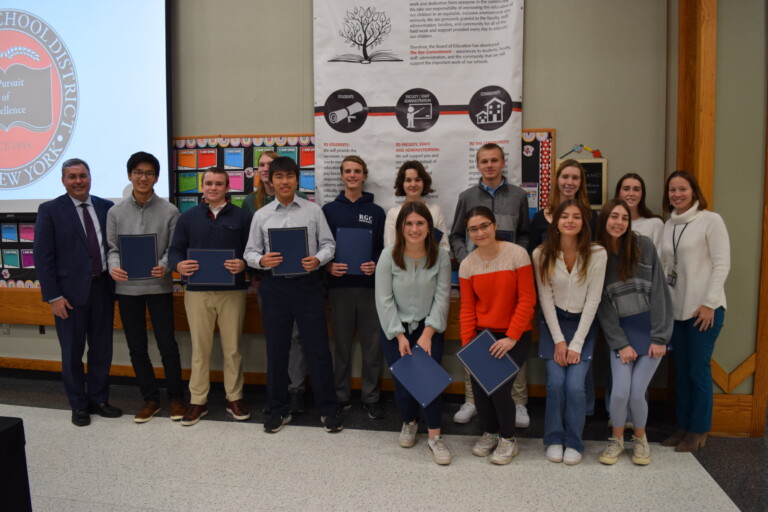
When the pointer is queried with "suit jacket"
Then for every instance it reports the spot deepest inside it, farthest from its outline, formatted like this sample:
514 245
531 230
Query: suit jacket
62 259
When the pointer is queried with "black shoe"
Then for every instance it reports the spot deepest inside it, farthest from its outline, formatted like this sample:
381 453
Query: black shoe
81 418
298 402
275 423
345 406
375 410
105 410
266 411
332 424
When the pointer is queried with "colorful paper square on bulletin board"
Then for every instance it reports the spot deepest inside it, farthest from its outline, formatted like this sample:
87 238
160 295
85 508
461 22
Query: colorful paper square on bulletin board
27 232
185 203
236 181
237 200
307 157
11 258
234 158
289 151
307 181
206 158
27 258
187 182
186 159
10 232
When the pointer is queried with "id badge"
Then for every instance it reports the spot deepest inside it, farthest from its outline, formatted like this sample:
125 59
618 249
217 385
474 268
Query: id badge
672 277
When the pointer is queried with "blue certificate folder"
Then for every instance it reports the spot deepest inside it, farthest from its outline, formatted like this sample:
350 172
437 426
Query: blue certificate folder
212 271
354 246
507 236
547 344
490 372
421 375
293 246
138 255
437 234
637 329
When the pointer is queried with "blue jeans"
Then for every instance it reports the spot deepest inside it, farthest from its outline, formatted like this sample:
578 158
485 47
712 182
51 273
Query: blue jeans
565 410
406 404
692 351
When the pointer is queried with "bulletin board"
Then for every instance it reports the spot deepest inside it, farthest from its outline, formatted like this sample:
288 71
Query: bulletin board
596 170
17 262
538 150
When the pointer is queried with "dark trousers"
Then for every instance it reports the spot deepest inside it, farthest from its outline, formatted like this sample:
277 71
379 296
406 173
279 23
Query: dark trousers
497 412
300 300
91 323
692 351
406 404
133 313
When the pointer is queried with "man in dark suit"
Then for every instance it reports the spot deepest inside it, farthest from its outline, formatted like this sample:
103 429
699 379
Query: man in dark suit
70 257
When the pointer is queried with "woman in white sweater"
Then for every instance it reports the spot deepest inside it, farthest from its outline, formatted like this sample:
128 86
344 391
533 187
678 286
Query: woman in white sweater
414 182
631 188
696 257
569 273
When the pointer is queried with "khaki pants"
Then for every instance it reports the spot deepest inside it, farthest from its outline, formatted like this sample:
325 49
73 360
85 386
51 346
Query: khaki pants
519 388
205 310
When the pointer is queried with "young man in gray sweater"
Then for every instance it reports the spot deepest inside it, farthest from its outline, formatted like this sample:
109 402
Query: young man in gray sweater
143 213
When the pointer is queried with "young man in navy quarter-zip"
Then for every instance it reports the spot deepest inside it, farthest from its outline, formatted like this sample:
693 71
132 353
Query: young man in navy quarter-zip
353 307
214 224
296 298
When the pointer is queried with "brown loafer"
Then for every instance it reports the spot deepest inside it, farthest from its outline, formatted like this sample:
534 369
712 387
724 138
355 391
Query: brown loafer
238 410
177 409
193 414
147 412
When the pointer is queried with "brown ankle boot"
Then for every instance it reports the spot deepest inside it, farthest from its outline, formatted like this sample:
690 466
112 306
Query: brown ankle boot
691 442
674 439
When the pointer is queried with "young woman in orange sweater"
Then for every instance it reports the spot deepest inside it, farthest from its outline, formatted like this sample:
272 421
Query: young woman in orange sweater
498 294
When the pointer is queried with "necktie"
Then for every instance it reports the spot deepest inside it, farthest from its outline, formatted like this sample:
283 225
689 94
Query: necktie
93 241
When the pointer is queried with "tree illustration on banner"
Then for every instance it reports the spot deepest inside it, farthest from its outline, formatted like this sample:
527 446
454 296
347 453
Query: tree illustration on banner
366 28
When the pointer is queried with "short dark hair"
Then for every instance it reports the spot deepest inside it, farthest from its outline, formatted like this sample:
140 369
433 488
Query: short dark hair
488 147
143 157
420 170
73 162
356 159
283 163
217 170
698 195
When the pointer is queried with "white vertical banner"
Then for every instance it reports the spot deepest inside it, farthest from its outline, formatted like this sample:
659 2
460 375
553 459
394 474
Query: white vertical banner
427 80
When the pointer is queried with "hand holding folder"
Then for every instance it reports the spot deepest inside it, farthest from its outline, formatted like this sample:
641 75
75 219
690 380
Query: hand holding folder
293 246
489 371
421 375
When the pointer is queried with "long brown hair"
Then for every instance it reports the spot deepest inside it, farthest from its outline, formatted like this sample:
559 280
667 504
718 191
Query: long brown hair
628 246
642 209
581 194
698 195
551 245
398 251
261 193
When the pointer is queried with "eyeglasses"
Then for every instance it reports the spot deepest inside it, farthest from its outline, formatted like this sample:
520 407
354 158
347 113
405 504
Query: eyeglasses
144 174
482 227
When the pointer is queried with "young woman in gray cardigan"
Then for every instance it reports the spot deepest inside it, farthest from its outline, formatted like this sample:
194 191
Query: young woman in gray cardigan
636 316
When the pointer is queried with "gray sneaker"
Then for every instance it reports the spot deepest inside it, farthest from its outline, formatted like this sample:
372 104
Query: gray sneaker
505 450
407 437
440 453
641 452
485 445
613 451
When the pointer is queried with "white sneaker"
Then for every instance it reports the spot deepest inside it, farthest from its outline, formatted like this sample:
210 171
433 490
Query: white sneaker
506 449
555 453
407 437
641 452
571 457
485 445
465 413
522 420
612 451
440 453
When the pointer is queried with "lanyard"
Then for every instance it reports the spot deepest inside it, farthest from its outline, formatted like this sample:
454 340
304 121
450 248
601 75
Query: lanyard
676 245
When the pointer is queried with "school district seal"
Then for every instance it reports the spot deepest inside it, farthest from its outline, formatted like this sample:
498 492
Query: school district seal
38 98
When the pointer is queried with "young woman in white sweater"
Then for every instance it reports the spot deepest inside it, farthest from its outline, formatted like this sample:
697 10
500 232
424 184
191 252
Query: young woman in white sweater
569 273
631 188
696 257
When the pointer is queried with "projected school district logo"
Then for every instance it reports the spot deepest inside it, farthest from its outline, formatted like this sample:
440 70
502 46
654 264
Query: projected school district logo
38 98
364 29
